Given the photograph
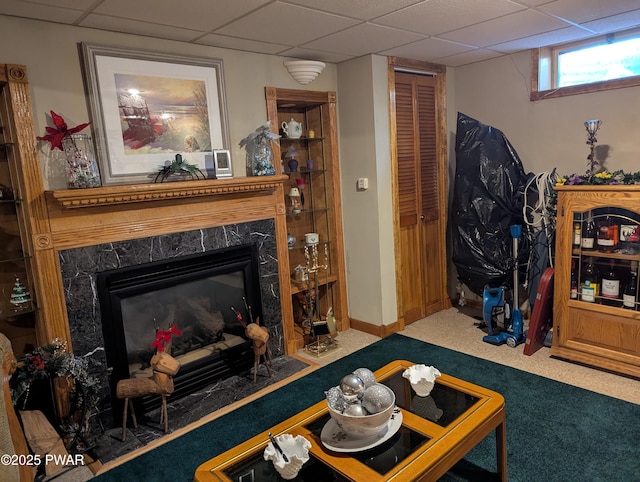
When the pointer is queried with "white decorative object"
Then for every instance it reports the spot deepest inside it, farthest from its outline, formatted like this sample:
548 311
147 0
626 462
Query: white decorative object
422 378
304 71
293 130
296 451
359 427
334 438
312 238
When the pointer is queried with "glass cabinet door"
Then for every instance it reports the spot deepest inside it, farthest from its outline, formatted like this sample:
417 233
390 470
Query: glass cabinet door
605 256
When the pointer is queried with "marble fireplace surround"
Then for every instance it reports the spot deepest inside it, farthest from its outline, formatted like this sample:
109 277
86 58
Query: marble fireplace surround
163 220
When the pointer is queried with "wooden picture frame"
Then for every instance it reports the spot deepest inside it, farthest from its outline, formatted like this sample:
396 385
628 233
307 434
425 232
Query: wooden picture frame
146 107
222 164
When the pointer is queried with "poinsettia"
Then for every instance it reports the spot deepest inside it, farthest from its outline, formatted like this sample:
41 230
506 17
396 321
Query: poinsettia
55 135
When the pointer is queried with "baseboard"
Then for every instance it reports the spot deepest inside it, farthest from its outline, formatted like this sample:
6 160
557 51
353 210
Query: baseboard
381 331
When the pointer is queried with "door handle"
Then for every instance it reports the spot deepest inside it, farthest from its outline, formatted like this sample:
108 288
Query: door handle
422 217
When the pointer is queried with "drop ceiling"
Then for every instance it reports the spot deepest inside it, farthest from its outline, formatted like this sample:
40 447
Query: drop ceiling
448 32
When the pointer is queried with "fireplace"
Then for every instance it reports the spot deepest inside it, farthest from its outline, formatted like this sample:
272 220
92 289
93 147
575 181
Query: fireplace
202 295
85 232
81 267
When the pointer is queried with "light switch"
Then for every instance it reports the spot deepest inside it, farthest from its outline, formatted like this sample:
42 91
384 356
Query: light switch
363 183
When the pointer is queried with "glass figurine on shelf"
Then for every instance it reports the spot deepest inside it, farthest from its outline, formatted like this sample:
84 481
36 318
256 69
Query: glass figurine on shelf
296 203
291 154
20 297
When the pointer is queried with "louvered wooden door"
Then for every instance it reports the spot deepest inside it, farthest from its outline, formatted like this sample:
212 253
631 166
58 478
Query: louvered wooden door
419 239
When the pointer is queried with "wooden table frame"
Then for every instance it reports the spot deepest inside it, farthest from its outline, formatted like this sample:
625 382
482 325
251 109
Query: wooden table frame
446 446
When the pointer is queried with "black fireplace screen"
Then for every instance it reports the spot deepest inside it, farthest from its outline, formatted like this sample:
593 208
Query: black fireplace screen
201 295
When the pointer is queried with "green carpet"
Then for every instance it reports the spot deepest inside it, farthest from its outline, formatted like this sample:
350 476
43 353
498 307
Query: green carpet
555 432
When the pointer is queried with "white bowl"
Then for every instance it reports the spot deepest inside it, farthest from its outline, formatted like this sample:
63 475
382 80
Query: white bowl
366 425
422 378
295 448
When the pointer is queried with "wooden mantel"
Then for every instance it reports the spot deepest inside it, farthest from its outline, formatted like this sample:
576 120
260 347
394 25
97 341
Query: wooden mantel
103 196
86 217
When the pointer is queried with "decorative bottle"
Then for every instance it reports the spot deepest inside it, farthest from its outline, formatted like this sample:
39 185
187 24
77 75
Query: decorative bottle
611 286
589 235
82 168
577 234
630 291
589 287
574 280
608 235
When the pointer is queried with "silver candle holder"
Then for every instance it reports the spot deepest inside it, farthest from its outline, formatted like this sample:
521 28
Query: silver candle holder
318 327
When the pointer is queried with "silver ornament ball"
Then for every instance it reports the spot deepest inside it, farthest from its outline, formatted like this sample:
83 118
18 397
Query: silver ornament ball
335 399
377 398
367 376
355 410
352 387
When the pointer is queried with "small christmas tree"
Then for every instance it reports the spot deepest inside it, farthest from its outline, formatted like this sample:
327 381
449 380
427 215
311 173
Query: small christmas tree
19 295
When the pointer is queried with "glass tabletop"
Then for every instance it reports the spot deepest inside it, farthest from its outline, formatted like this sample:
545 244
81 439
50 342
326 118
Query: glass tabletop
442 407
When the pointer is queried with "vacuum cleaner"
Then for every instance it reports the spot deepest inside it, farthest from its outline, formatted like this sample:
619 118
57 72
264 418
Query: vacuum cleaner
501 309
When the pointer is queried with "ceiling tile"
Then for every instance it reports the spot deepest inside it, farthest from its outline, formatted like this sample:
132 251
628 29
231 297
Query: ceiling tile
437 16
615 23
580 11
562 35
533 3
338 30
286 24
510 27
428 49
40 12
308 54
363 39
204 15
223 41
115 24
361 9
72 4
469 57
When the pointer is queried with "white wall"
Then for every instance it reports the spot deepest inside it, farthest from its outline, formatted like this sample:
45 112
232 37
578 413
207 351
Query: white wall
50 52
549 133
368 215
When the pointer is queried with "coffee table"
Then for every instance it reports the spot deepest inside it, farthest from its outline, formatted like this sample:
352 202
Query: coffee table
436 432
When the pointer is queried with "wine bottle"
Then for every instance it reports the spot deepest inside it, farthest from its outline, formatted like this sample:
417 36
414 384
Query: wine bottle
574 281
611 286
577 234
608 235
630 291
589 235
589 286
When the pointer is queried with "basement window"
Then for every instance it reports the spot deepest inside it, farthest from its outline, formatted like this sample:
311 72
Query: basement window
607 62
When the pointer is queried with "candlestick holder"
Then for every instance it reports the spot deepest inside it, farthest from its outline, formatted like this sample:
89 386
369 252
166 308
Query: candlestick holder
322 330
592 127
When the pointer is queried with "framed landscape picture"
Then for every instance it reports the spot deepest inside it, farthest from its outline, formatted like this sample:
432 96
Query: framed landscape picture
147 107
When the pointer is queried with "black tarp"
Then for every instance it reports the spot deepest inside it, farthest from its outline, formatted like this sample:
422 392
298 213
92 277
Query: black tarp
488 198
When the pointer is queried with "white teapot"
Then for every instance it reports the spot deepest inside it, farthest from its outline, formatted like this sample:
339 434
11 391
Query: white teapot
292 129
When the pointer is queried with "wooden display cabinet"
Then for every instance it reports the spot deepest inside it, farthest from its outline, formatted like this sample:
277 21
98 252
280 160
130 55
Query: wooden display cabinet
18 162
597 331
321 211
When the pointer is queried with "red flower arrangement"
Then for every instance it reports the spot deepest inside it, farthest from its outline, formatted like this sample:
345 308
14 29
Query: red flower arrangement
164 336
55 135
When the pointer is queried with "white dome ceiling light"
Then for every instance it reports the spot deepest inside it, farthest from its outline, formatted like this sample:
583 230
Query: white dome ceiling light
304 71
